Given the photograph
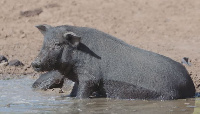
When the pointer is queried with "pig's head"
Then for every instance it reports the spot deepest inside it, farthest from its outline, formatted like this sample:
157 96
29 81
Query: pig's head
58 47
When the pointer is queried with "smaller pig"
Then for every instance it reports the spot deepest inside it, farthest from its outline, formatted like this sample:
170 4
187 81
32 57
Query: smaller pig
54 79
49 80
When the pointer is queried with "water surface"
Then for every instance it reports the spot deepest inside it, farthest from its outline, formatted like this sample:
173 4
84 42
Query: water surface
17 96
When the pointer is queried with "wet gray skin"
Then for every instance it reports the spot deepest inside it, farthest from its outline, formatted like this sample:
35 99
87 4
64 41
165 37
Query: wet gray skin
100 62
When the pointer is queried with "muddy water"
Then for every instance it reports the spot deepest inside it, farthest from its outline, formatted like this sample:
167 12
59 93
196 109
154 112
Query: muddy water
16 96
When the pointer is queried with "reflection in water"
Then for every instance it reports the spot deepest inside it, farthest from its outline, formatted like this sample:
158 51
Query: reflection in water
16 95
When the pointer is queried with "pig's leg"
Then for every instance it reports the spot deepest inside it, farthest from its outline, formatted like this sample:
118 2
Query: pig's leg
74 90
85 89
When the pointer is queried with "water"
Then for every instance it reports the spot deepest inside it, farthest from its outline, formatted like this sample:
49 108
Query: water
17 96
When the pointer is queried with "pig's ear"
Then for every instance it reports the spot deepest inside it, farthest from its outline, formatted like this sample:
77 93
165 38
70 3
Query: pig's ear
72 38
43 28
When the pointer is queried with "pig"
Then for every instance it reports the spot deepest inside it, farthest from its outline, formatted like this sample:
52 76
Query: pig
54 79
101 62
49 80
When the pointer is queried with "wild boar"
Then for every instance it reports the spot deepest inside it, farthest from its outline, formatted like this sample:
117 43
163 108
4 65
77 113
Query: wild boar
103 63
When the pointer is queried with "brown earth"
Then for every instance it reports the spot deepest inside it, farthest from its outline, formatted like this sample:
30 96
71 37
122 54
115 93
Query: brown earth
167 27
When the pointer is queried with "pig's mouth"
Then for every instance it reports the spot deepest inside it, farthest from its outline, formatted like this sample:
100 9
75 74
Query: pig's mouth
37 68
43 67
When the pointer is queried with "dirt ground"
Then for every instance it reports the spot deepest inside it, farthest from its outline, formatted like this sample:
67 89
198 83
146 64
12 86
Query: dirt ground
167 27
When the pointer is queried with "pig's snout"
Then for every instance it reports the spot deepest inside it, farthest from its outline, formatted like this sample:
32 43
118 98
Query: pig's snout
36 65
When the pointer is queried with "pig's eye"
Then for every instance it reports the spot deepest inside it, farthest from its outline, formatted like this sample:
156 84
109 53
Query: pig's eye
56 46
